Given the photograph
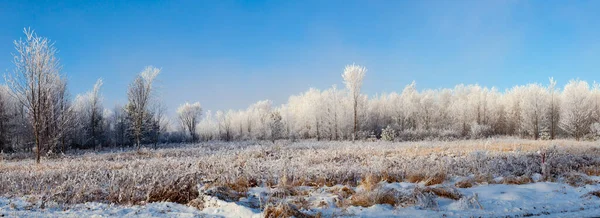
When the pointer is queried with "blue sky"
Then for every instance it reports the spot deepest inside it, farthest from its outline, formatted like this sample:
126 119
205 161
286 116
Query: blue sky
229 54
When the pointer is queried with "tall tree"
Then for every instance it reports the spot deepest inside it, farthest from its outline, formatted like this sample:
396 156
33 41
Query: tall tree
554 108
534 105
576 108
5 128
139 96
159 123
189 115
40 89
353 77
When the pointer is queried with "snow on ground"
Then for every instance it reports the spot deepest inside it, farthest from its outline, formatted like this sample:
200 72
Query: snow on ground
535 199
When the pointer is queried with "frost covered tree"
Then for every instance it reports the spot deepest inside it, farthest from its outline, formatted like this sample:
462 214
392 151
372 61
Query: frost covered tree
275 125
553 108
120 126
189 115
353 77
41 91
224 120
5 119
576 108
89 111
160 123
533 109
139 96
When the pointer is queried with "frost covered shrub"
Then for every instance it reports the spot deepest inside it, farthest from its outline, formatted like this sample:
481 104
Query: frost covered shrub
480 131
545 135
595 130
449 134
415 135
364 135
388 134
432 134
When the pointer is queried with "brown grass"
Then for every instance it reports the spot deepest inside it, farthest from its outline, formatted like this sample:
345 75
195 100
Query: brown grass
437 178
577 180
343 192
444 192
196 203
284 210
484 179
391 177
181 191
241 184
284 192
592 170
370 181
465 183
381 196
415 178
516 180
593 193
225 193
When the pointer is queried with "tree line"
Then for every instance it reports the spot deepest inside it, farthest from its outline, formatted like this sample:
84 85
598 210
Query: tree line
38 114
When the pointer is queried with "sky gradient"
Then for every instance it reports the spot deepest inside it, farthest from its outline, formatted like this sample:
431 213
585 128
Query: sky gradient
229 54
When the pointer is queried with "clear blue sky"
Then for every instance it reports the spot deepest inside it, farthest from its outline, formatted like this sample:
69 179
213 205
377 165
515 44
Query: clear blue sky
229 54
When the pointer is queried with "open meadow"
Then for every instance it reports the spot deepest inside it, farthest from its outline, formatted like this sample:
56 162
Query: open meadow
488 177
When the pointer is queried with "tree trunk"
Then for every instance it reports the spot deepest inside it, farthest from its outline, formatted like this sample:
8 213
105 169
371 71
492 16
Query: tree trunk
37 143
355 119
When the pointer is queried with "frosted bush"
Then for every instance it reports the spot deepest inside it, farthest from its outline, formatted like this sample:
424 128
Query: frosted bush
595 130
480 131
388 134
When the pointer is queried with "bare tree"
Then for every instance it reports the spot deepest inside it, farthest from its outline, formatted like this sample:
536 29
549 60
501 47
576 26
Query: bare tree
89 110
554 110
224 124
160 122
139 96
40 90
353 78
4 119
189 115
275 125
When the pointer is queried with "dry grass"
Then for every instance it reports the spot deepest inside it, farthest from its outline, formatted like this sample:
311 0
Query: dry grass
128 177
593 193
592 170
428 180
484 179
577 179
516 180
370 181
284 210
225 193
437 178
444 192
196 203
344 191
391 177
465 183
181 191
415 178
382 196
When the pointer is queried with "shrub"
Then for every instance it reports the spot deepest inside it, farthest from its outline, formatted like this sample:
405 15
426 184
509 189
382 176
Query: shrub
388 134
480 131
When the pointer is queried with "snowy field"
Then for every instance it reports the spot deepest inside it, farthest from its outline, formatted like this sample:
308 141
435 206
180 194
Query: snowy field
488 178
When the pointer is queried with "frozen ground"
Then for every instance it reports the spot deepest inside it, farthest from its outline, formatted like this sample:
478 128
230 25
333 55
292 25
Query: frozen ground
536 199
480 178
